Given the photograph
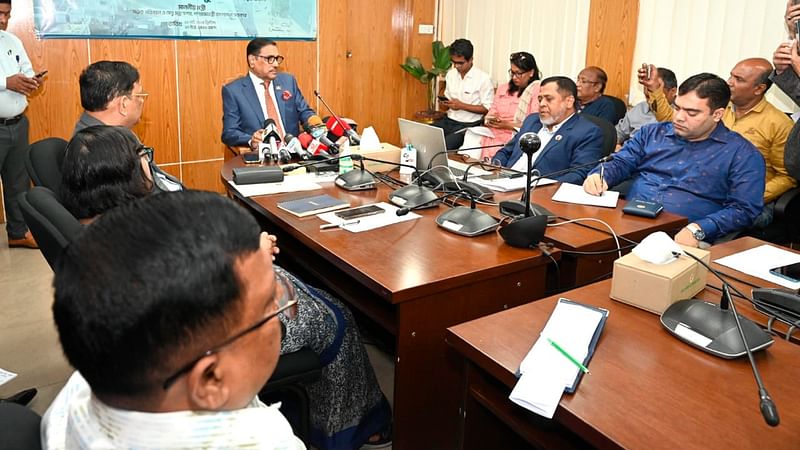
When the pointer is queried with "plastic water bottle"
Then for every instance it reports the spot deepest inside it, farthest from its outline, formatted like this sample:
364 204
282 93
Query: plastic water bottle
346 163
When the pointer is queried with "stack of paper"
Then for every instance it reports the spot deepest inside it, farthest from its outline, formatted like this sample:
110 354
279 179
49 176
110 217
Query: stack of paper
506 184
573 193
546 372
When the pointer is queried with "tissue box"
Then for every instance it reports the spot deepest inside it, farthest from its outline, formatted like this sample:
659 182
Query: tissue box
387 152
654 287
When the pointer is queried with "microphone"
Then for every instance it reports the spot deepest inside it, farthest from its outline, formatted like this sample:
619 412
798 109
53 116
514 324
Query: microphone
432 202
293 145
410 196
706 320
355 180
456 150
527 231
467 220
320 132
315 148
272 138
348 131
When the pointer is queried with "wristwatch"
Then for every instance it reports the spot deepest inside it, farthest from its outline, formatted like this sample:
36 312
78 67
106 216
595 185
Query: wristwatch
696 231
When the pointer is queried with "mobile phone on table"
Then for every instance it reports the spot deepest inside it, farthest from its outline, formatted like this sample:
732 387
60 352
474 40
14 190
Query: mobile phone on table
251 157
790 272
361 211
442 98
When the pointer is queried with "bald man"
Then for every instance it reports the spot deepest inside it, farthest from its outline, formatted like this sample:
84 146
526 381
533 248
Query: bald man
758 121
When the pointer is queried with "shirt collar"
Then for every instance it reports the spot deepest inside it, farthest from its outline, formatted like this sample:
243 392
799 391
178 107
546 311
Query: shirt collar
557 126
258 81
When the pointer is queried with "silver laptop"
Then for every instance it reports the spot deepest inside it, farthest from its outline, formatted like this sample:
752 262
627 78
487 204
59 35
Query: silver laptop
427 139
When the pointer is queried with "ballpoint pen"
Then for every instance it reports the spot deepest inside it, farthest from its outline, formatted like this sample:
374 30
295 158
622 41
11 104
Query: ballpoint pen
602 176
568 356
329 226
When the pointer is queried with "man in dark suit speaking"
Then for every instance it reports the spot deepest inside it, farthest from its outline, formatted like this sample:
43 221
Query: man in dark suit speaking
261 94
568 140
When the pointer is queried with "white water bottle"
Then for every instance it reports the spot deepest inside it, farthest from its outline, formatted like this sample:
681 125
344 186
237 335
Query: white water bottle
346 163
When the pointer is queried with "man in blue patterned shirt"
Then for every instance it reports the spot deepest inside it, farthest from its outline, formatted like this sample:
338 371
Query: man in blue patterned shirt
694 166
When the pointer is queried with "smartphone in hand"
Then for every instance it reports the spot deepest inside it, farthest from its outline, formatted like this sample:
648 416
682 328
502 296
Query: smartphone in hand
41 74
442 98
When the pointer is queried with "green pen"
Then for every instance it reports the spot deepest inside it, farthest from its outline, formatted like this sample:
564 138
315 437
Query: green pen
568 356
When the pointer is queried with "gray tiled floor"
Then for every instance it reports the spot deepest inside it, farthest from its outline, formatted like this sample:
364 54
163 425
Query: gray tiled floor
29 341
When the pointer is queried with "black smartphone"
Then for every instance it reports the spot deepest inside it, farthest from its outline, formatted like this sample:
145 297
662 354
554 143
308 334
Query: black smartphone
442 98
790 272
41 74
250 157
361 211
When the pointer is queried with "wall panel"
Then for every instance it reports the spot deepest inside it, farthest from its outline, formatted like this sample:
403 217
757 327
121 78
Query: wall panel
203 175
611 41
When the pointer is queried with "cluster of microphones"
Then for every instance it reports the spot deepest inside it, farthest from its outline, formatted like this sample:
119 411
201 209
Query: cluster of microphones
319 140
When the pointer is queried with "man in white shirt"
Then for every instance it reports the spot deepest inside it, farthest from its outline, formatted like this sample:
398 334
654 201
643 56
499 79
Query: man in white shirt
469 92
17 81
168 307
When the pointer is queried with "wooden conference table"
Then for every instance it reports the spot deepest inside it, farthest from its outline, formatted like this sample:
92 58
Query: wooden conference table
646 389
414 280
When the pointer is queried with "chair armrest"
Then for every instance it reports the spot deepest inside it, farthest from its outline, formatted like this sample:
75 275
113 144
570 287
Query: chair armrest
788 204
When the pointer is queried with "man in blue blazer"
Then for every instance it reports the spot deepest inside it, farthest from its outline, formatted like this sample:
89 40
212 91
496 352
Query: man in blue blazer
244 101
568 140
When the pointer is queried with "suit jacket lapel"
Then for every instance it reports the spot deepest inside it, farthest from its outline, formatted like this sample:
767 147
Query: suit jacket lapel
555 141
251 97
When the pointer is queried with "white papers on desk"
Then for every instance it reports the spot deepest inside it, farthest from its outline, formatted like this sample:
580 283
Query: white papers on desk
370 222
758 261
545 372
506 184
294 183
573 193
6 376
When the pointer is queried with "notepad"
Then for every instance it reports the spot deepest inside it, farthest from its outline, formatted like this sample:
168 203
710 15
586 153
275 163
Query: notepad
545 374
573 193
316 204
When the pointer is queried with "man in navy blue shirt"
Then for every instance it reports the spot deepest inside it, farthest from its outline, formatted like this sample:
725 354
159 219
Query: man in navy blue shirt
694 166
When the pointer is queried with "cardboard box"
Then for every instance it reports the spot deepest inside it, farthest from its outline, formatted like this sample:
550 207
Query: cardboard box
388 152
654 287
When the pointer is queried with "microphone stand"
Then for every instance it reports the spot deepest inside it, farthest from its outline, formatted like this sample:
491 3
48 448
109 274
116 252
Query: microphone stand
410 196
354 139
527 231
706 319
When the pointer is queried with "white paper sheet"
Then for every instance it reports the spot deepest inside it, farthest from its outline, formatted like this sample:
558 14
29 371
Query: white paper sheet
545 371
6 376
758 261
370 222
295 183
573 193
506 184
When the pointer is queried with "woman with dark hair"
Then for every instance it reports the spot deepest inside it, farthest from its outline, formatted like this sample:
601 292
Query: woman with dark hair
104 167
513 101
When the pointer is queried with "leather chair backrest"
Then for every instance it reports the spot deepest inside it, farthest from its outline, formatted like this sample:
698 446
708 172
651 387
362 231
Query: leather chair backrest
609 133
44 162
51 224
620 108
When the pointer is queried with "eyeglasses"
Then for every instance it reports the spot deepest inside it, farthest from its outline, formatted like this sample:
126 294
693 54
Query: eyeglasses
585 81
271 59
513 74
146 152
287 304
143 95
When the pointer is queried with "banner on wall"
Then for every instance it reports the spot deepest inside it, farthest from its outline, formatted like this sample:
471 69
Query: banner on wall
164 19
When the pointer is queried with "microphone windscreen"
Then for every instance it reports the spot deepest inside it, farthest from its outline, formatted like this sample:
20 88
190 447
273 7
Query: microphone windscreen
269 122
314 121
529 142
287 138
305 139
335 127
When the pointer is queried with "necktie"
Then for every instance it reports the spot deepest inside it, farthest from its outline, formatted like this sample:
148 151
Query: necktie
272 112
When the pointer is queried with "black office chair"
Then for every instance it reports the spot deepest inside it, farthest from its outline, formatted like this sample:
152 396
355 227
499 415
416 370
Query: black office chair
293 372
620 108
609 133
20 427
51 224
44 162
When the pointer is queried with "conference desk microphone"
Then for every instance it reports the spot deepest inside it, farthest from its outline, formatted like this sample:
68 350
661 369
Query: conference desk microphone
411 196
464 220
355 180
519 208
713 329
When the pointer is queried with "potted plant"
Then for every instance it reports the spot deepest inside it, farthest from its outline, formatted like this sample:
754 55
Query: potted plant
441 63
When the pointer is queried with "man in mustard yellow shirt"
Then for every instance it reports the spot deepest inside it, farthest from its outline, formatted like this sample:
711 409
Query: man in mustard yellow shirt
757 120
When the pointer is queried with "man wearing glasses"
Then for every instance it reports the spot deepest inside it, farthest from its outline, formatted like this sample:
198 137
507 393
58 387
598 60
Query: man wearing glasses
591 84
112 94
264 93
469 93
168 357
